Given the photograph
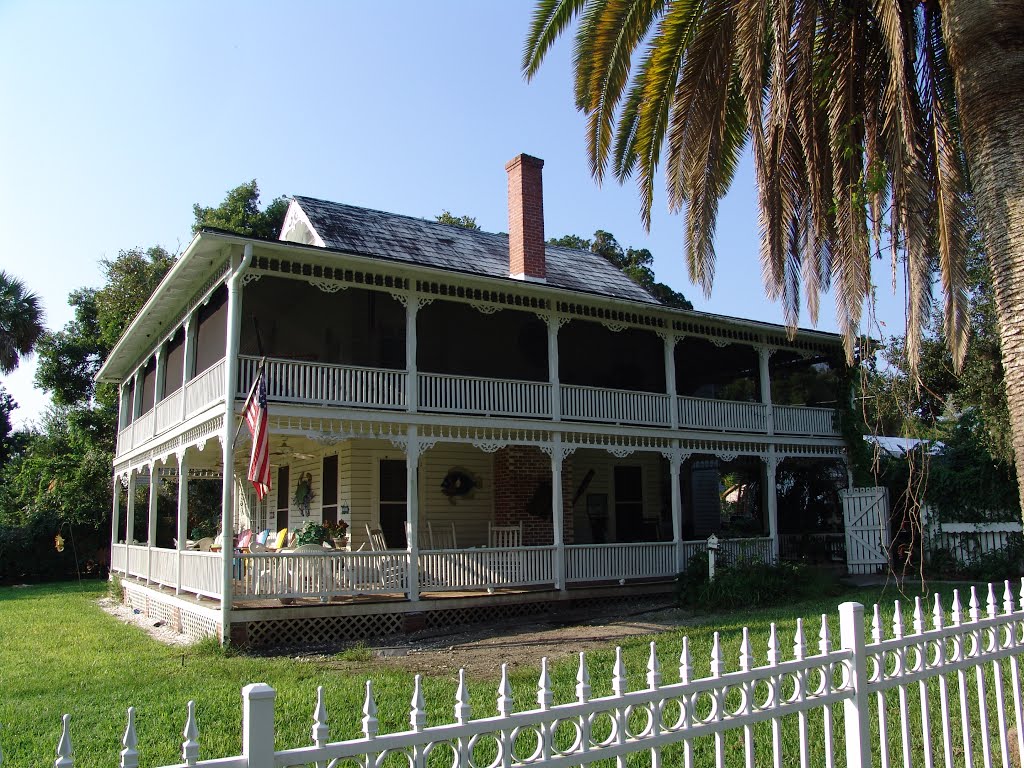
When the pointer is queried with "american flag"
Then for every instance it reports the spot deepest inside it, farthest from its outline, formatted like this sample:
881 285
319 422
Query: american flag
256 417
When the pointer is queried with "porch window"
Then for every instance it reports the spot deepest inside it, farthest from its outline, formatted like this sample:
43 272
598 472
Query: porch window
329 508
282 497
629 507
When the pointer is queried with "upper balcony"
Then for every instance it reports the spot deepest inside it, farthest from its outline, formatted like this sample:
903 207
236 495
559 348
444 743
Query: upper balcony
346 386
362 348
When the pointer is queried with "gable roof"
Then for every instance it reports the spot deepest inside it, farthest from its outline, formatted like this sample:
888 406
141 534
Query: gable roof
383 235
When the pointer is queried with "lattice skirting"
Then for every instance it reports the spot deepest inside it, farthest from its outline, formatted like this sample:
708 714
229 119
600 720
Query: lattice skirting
326 631
176 614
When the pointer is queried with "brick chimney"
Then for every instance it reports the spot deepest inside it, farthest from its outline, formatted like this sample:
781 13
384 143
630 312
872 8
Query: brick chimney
526 219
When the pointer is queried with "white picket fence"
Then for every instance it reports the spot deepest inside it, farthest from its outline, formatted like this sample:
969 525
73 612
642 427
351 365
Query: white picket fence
884 691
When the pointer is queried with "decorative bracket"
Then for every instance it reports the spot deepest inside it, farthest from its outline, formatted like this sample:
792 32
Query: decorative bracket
329 286
726 456
490 446
484 309
619 451
249 277
614 327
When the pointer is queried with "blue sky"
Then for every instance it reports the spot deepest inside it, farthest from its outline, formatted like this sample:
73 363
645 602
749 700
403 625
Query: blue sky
119 116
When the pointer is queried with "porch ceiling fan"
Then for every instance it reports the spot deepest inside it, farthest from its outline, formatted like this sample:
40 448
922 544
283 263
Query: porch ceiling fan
286 451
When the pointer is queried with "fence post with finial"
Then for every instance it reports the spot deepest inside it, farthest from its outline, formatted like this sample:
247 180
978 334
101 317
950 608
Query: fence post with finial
130 755
64 752
856 711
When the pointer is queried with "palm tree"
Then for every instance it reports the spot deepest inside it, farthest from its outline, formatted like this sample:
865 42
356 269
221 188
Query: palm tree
872 124
21 321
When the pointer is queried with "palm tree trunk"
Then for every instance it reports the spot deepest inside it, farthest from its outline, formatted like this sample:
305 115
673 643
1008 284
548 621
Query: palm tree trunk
985 44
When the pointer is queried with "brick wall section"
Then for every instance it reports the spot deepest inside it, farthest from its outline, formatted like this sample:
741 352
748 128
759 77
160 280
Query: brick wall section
525 218
518 471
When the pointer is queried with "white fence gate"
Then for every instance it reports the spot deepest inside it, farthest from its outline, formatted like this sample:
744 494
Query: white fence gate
866 517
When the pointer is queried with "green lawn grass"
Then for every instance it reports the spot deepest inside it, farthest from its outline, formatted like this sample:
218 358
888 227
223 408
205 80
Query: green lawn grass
59 652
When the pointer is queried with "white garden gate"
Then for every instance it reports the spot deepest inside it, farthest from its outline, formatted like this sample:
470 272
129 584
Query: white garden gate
866 515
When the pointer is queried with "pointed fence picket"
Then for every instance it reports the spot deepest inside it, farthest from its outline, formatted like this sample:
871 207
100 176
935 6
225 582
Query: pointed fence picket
689 722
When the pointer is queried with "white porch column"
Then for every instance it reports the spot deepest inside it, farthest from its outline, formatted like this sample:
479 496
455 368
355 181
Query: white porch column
675 463
151 531
188 359
771 463
129 530
182 511
412 506
554 324
558 511
227 440
412 392
764 353
670 340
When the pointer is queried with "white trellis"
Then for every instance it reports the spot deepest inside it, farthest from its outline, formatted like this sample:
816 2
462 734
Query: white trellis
976 649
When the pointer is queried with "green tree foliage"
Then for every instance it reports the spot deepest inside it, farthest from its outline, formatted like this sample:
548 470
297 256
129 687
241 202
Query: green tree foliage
61 473
930 402
636 263
240 213
21 321
69 358
466 222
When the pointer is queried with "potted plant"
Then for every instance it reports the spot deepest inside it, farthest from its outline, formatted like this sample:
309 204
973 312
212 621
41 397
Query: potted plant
311 533
338 533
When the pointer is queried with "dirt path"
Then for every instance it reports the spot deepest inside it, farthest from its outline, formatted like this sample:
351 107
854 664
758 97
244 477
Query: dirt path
482 650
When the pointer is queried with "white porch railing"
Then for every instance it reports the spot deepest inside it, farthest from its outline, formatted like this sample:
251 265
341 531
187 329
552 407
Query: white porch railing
489 397
287 575
614 405
205 389
119 558
202 573
489 568
804 420
830 700
701 413
324 384
137 561
163 566
168 411
603 562
731 551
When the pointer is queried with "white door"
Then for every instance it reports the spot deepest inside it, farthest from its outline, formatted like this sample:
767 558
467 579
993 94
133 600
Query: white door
866 514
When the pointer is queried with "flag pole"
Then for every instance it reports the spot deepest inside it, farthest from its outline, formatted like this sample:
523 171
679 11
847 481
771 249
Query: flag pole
248 399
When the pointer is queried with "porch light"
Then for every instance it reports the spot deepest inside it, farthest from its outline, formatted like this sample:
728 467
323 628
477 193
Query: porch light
343 509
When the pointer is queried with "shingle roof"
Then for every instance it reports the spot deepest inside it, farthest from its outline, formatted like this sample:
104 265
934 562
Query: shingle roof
405 238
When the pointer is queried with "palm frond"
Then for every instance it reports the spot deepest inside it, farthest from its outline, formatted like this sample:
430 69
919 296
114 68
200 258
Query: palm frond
550 18
613 35
666 50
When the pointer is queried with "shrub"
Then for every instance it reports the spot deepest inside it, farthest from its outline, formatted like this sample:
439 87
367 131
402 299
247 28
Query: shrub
994 566
751 584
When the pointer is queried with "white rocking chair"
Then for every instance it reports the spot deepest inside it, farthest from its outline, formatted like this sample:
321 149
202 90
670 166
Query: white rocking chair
441 539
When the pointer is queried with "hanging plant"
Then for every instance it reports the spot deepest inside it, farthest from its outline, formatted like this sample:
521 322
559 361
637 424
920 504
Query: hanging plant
304 493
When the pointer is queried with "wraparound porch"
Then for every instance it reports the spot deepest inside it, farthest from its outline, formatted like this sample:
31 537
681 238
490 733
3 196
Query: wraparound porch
342 575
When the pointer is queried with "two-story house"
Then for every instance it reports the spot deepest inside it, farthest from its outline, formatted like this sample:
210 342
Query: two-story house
503 424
